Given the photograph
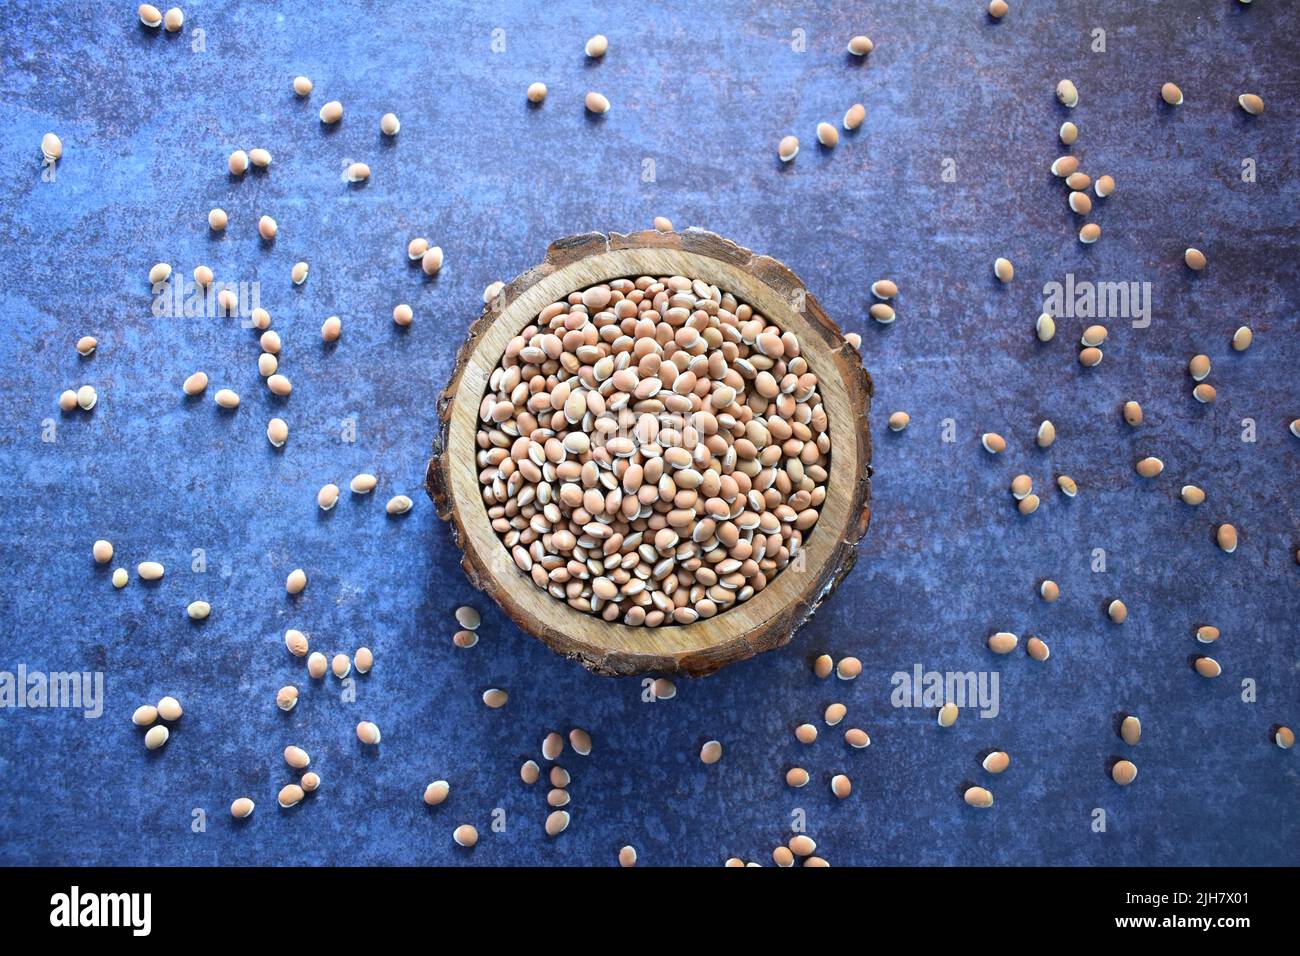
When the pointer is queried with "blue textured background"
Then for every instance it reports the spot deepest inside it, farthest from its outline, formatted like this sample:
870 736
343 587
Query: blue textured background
147 124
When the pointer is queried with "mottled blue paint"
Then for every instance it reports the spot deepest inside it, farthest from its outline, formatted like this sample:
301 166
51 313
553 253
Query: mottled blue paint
147 124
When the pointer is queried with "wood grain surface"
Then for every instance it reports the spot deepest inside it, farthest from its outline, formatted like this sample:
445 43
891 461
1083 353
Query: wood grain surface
768 619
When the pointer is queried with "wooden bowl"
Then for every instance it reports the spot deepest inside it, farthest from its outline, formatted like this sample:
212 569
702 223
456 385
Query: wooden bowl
769 618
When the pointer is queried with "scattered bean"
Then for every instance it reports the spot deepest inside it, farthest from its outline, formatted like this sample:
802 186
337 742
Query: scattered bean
1130 730
948 714
1208 667
996 762
296 642
1124 772
841 786
436 792
1226 536
1252 103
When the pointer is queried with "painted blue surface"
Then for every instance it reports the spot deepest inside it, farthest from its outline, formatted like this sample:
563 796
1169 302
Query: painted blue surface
147 124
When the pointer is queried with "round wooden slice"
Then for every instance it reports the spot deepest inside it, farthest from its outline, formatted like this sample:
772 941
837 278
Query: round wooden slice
769 618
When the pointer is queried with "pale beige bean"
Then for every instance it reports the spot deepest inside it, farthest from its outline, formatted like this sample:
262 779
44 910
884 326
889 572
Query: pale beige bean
327 497
465 835
1003 642
51 148
368 733
286 698
552 746
1124 772
156 737
1252 103
436 793
296 642
580 741
948 715
1226 536
711 752
241 808
1208 667
841 786
317 665
1130 730
996 762
296 581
